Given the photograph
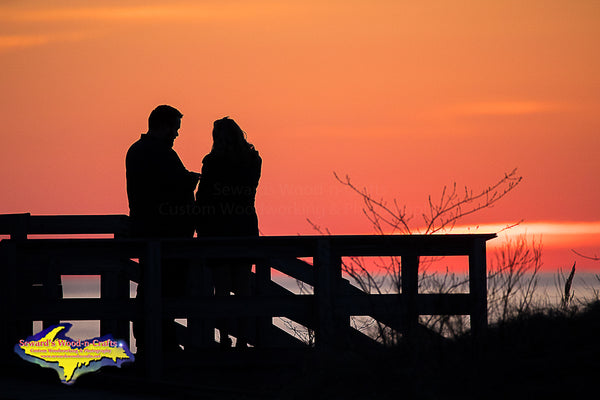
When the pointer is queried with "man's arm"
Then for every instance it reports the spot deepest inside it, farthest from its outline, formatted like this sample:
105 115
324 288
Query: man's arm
177 178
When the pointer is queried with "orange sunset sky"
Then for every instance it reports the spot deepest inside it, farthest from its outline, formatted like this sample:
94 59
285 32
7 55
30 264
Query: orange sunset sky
405 97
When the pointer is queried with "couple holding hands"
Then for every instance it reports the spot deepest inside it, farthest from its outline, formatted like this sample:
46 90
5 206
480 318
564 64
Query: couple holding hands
162 203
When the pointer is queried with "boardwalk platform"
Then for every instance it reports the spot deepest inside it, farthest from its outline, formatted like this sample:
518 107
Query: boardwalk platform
31 291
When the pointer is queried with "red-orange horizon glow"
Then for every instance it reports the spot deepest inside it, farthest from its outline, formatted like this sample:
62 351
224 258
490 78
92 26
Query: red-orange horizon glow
404 98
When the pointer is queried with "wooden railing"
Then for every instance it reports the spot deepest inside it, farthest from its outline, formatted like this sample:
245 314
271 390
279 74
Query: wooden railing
31 270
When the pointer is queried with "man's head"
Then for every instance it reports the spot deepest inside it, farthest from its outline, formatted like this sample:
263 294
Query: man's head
164 123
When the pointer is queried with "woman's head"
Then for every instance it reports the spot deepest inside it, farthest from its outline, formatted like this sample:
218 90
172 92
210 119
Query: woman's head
228 137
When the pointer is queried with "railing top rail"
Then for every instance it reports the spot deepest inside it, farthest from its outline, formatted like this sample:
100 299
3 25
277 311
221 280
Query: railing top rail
21 225
283 239
116 223
62 224
276 246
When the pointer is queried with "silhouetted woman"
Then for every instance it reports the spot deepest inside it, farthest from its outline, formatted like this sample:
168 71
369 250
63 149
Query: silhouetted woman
225 200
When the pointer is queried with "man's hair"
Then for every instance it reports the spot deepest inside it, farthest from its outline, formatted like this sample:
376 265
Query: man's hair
163 115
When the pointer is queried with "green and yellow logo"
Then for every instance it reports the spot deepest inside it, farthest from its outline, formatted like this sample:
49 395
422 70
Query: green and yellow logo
51 348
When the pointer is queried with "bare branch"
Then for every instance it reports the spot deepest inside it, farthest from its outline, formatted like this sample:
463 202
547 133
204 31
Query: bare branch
514 278
441 215
593 258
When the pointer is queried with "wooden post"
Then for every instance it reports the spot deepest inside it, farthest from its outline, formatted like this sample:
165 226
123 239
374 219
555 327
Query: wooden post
23 285
52 288
9 333
478 290
201 331
329 273
410 289
263 324
114 285
19 226
153 310
207 289
122 282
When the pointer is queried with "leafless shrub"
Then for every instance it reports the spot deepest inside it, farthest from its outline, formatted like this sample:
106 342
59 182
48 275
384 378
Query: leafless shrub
512 278
440 216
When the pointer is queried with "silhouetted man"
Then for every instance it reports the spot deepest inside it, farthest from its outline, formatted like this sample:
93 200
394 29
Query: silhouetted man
160 189
160 192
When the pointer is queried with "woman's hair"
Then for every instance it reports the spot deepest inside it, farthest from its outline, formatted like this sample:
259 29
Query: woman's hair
229 138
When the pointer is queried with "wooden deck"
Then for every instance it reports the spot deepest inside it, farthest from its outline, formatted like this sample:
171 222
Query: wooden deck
31 291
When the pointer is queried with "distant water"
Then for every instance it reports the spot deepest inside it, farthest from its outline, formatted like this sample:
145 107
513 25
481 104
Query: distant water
586 286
